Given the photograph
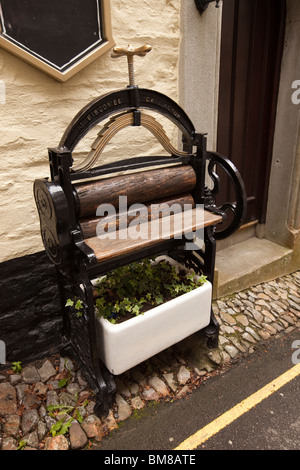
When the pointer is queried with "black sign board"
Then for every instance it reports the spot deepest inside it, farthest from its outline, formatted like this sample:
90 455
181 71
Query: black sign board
58 36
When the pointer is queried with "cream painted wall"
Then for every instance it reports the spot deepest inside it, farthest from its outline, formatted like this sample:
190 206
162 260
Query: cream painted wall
37 109
199 67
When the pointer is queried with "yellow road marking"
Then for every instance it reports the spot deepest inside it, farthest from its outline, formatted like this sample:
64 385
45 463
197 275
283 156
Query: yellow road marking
231 415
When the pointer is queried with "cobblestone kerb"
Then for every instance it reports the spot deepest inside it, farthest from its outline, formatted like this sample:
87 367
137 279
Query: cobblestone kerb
48 405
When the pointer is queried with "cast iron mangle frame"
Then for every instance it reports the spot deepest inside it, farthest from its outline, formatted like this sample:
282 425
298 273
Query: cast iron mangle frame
63 239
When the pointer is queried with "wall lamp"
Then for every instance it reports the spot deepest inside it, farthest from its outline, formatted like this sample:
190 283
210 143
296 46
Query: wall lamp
203 4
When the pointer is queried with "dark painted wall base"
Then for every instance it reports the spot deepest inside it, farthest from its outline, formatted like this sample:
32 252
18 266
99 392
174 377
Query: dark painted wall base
30 316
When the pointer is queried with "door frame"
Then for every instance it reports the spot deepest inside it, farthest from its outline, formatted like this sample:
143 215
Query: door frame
265 111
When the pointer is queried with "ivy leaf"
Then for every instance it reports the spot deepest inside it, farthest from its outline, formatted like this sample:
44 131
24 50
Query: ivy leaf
69 303
159 299
136 310
79 305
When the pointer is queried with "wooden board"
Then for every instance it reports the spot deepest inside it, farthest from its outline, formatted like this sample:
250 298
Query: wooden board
126 241
152 211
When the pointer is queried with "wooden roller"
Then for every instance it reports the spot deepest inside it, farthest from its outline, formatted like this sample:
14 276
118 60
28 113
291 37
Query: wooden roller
151 211
138 187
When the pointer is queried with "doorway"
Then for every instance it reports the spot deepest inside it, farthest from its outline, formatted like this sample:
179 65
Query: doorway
251 51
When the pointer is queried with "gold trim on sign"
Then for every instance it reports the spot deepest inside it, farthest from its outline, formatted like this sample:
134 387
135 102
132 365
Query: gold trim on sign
86 60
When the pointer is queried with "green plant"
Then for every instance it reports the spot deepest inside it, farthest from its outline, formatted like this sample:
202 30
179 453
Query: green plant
62 425
65 380
21 444
132 289
17 367
77 304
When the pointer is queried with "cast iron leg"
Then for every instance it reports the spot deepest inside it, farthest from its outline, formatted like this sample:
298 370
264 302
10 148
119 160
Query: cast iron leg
105 384
80 340
212 330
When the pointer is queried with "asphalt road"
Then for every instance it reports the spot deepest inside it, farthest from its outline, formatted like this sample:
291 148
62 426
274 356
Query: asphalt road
273 424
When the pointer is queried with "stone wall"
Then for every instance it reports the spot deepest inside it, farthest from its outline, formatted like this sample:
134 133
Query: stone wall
30 320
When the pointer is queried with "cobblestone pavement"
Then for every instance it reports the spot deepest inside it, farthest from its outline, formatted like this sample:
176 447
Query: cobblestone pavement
48 405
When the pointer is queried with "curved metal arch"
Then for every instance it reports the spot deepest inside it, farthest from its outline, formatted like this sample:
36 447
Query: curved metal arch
131 98
116 124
